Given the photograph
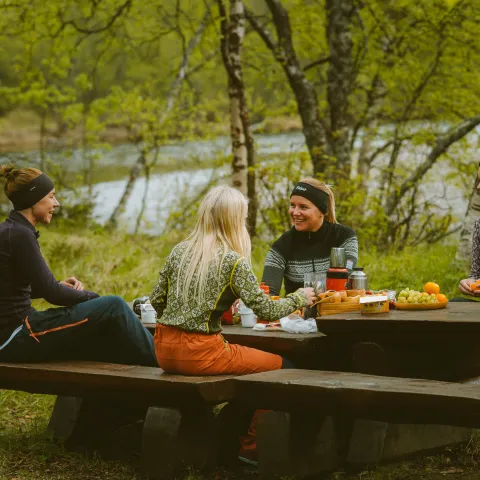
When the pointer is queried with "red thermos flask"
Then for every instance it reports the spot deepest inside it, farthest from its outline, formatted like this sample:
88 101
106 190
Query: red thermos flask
337 274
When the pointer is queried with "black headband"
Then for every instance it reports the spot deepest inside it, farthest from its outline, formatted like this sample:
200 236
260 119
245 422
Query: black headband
32 192
318 197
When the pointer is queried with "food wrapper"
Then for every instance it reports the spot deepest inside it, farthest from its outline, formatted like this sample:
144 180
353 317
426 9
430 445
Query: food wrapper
268 327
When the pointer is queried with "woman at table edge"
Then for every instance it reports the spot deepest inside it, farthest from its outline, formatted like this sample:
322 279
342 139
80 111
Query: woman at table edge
306 247
87 327
464 284
200 279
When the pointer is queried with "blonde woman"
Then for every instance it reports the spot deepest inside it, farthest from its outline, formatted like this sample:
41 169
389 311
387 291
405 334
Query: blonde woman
306 247
200 280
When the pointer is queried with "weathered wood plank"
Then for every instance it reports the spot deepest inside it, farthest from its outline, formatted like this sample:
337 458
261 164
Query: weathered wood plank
371 397
147 385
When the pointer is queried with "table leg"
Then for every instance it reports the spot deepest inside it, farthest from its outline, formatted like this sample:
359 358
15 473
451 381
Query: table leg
174 439
64 417
102 424
295 444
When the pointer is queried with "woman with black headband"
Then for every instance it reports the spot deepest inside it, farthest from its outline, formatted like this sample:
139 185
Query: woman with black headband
88 327
306 247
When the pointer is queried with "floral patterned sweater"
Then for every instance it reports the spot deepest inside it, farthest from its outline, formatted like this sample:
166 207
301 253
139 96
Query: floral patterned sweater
234 280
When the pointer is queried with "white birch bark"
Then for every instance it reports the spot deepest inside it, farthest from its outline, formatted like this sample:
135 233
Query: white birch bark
233 33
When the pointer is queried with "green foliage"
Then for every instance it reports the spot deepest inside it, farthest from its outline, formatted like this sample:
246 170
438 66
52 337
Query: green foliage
85 67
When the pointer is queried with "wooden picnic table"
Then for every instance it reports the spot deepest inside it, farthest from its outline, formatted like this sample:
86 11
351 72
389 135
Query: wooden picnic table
439 344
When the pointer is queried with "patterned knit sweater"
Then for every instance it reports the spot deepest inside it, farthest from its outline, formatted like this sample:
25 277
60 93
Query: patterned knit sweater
233 280
475 272
296 253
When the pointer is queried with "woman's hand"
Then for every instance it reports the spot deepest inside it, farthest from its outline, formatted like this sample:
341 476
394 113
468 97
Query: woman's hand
72 282
309 295
464 287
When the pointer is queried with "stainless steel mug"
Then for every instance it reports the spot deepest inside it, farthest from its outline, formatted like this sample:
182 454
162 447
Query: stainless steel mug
338 257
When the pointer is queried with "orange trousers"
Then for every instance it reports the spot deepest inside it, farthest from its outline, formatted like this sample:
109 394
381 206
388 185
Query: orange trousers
203 354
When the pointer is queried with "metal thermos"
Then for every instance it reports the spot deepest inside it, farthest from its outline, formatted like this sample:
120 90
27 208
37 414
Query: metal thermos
358 279
337 274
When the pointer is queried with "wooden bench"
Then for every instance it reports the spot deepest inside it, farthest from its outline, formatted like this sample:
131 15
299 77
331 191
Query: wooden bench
179 427
303 434
307 433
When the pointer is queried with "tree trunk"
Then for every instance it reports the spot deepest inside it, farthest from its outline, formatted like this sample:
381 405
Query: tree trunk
239 148
144 200
339 74
464 251
171 99
252 173
88 157
43 132
243 152
303 89
134 173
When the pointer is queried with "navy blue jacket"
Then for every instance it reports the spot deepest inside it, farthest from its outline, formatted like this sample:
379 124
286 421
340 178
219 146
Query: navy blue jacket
24 275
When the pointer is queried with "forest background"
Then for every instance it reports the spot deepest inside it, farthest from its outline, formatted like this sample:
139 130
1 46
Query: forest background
127 103
136 107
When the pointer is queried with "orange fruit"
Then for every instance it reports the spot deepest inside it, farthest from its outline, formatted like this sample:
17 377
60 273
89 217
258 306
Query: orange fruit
441 298
431 287
475 285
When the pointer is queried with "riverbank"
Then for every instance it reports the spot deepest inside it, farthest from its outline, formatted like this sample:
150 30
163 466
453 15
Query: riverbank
20 132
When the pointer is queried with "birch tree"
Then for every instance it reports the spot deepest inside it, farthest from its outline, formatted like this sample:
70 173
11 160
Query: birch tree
243 154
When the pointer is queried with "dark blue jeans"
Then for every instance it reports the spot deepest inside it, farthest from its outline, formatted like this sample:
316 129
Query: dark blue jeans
104 329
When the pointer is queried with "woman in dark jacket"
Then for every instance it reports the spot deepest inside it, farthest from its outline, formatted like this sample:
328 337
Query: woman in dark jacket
305 248
88 327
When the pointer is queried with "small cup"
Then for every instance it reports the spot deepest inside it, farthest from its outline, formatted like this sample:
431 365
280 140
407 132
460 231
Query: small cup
316 280
149 316
248 319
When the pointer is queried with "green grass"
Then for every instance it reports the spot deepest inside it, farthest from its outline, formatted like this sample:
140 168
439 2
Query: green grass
128 266
414 267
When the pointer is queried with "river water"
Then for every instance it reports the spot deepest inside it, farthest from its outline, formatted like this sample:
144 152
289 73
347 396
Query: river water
166 189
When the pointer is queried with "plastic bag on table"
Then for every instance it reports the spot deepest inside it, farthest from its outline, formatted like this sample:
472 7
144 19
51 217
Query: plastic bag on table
296 324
